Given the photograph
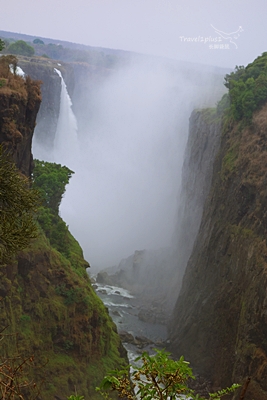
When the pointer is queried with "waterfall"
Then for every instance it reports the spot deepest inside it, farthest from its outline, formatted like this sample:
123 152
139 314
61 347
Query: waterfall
66 140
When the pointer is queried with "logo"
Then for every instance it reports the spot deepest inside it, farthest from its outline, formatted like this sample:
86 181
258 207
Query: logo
232 36
223 40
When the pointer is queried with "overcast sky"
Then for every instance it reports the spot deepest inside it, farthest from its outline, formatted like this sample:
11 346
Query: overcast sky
173 28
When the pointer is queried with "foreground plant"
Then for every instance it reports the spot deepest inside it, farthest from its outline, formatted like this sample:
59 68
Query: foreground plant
159 377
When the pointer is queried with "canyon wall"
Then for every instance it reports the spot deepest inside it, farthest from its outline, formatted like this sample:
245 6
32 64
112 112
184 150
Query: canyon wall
219 322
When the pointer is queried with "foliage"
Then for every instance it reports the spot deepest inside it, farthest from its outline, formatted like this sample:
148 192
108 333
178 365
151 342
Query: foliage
15 382
71 295
55 230
159 377
18 203
51 180
21 48
38 41
247 88
75 397
2 45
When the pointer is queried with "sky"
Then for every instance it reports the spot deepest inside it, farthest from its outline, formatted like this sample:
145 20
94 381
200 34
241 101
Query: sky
216 32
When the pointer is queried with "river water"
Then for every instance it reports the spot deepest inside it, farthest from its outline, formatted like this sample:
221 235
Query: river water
124 309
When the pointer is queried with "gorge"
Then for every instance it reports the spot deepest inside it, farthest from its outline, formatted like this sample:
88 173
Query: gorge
184 212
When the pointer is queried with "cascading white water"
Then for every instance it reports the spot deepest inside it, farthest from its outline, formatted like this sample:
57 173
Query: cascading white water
66 140
65 146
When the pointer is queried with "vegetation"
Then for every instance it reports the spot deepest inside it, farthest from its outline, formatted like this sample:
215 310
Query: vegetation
75 397
51 179
2 44
18 204
55 312
247 88
38 41
159 377
21 48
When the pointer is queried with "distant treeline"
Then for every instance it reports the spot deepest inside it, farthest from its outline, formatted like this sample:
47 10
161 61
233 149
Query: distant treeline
37 47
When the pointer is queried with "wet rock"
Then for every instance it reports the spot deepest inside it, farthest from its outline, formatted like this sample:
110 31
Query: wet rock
103 291
127 337
115 312
103 278
142 341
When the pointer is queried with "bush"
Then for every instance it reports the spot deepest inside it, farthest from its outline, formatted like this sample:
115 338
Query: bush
159 377
247 88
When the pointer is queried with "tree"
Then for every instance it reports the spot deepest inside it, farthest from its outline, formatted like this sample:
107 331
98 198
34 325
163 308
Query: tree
18 204
38 41
2 45
159 377
51 180
22 48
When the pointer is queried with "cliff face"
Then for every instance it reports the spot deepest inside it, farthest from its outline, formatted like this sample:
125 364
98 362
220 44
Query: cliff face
202 147
19 105
219 322
48 307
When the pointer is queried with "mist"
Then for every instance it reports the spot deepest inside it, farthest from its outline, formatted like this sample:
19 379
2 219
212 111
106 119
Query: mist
128 159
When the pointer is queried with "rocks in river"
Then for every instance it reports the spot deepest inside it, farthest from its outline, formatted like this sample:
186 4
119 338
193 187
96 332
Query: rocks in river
103 278
102 291
139 341
142 341
127 337
117 292
116 313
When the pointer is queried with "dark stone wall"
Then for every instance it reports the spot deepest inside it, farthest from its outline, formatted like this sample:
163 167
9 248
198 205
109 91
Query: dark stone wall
18 111
220 319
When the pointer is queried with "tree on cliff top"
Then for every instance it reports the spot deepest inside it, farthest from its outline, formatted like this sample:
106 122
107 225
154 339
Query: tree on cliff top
51 180
18 203
22 48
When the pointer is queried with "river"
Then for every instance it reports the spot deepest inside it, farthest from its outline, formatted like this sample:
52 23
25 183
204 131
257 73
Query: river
124 309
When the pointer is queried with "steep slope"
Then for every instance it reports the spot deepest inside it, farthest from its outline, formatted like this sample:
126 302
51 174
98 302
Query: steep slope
202 147
19 104
48 307
219 321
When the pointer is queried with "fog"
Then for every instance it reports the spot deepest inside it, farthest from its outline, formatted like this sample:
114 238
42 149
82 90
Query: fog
128 160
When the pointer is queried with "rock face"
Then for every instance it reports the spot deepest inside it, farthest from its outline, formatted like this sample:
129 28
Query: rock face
219 322
19 105
202 147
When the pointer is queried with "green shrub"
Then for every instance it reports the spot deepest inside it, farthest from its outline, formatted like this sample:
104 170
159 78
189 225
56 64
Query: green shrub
247 88
159 377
